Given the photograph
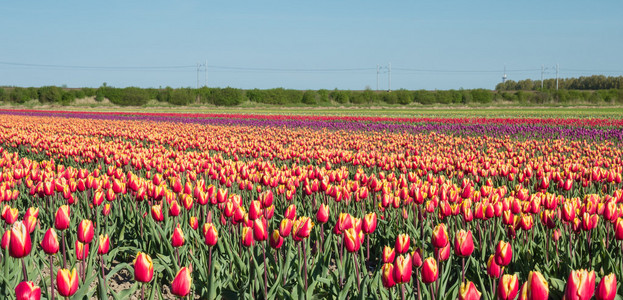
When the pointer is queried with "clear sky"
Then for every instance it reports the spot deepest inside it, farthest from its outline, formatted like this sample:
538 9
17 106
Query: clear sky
306 44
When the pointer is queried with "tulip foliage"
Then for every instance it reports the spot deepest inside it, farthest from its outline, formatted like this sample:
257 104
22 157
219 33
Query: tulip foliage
224 207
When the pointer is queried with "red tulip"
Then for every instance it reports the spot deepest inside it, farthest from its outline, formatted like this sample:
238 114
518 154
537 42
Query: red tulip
181 283
369 223
276 240
301 228
351 240
402 243
6 239
580 285
402 269
322 216
61 219
344 221
193 222
442 254
156 213
31 223
468 291
463 243
493 269
607 288
32 211
440 236
259 230
290 212
177 239
104 244
247 236
618 231
388 275
49 243
285 227
85 231
27 290
416 257
82 250
429 270
174 209
210 233
508 287
67 282
503 253
255 210
20 244
106 209
535 288
10 215
388 254
143 268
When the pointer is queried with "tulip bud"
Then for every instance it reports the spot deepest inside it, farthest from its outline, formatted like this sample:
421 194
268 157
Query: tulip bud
618 231
322 216
416 257
493 269
402 269
440 236
442 254
85 231
580 285
468 291
247 236
388 254
10 215
181 283
106 209
402 243
27 290
351 240
503 253
429 270
463 243
290 212
143 268
20 244
49 243
210 233
508 287
388 275
6 239
607 288
104 244
276 240
177 239
67 282
255 210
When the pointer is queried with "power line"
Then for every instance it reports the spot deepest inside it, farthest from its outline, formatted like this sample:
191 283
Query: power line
95 67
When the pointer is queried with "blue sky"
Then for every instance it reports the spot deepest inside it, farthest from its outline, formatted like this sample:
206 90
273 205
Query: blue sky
306 44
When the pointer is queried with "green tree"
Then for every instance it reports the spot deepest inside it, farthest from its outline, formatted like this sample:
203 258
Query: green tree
49 94
309 97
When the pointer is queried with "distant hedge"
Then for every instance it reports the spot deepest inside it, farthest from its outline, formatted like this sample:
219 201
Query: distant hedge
134 96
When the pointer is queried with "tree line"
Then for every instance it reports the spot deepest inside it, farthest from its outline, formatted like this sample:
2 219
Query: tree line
134 96
595 82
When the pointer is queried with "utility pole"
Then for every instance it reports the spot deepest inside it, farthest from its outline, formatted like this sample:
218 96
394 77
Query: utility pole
389 81
557 68
198 67
206 70
377 77
542 70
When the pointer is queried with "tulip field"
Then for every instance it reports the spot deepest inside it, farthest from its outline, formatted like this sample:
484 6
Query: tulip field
131 205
